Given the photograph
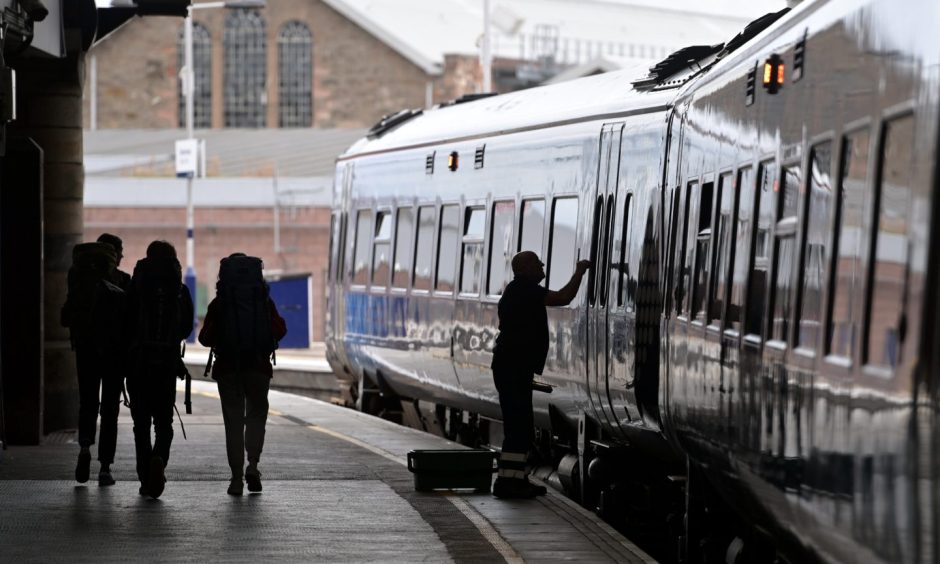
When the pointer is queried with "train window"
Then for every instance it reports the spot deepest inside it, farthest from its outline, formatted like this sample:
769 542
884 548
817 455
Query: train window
382 249
404 245
682 275
623 267
533 226
606 266
595 236
501 247
424 249
742 238
760 265
724 249
447 248
814 254
471 264
562 241
673 230
889 251
363 243
845 305
703 240
785 253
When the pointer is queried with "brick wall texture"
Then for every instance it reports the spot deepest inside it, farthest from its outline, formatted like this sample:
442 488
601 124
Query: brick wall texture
356 77
304 241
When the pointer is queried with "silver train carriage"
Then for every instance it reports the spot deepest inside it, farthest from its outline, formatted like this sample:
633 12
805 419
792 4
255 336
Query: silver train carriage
758 341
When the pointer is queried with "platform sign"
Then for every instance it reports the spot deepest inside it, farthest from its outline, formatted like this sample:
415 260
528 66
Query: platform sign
187 157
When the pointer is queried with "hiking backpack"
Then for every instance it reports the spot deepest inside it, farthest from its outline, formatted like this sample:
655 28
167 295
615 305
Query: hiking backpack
156 287
245 331
94 308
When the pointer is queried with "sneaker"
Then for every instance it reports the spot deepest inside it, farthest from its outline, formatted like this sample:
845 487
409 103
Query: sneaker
513 488
157 480
105 478
82 469
236 487
253 478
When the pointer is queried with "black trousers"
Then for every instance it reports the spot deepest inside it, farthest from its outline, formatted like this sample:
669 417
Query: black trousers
152 394
245 412
97 375
515 400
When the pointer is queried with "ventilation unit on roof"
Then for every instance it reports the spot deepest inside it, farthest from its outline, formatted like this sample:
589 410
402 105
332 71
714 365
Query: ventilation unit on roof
478 156
467 98
799 53
391 121
429 163
679 66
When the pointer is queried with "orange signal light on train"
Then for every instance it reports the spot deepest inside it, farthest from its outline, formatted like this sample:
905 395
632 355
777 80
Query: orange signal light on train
452 160
773 74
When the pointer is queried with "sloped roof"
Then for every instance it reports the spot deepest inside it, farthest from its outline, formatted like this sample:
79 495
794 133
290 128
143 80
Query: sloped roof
423 31
230 152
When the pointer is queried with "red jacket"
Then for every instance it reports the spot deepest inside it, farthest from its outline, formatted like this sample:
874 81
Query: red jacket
223 366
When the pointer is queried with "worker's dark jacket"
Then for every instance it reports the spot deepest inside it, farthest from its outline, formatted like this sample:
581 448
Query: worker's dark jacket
522 344
226 366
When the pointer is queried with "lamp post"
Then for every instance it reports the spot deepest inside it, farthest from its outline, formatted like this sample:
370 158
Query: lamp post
189 89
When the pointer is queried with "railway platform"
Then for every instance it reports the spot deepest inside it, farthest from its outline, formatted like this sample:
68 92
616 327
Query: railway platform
336 489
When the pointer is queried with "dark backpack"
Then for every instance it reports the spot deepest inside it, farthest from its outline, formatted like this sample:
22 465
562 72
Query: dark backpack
94 308
156 286
245 332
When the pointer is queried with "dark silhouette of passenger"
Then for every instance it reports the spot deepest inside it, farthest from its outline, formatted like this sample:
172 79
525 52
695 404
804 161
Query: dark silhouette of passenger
520 352
123 278
93 314
243 326
159 317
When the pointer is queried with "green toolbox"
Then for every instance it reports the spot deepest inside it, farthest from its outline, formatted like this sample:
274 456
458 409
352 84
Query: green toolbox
452 469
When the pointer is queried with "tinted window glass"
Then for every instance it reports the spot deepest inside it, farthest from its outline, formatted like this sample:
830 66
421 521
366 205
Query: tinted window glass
786 254
363 243
533 225
890 256
741 247
501 247
383 247
423 248
622 268
682 274
447 248
757 281
334 225
673 231
845 296
724 249
562 241
471 266
401 274
606 257
702 243
815 258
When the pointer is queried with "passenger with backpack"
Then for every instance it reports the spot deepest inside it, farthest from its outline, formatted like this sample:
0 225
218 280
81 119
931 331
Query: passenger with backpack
243 327
122 279
93 312
159 317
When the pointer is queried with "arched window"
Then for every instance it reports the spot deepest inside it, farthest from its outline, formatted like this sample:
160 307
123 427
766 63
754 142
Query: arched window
202 71
295 75
245 95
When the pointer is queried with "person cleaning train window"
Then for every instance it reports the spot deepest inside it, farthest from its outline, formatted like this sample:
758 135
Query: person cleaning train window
519 355
242 327
159 317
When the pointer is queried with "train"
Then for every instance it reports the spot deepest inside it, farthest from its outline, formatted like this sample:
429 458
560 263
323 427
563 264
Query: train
750 370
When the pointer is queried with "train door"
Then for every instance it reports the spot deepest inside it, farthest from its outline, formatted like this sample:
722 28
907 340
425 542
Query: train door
598 321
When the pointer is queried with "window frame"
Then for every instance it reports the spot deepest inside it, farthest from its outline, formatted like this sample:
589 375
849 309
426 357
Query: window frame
434 233
488 234
748 257
731 175
626 224
394 255
551 233
377 211
763 163
465 240
356 247
785 227
437 251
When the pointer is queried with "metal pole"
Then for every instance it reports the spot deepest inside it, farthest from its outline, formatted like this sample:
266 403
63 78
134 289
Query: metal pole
487 50
189 88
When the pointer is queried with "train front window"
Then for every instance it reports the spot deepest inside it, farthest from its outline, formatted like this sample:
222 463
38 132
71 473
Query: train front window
381 259
814 255
363 244
501 247
890 248
845 310
562 242
786 254
702 247
447 248
471 266
742 244
423 249
401 273
724 249
760 265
